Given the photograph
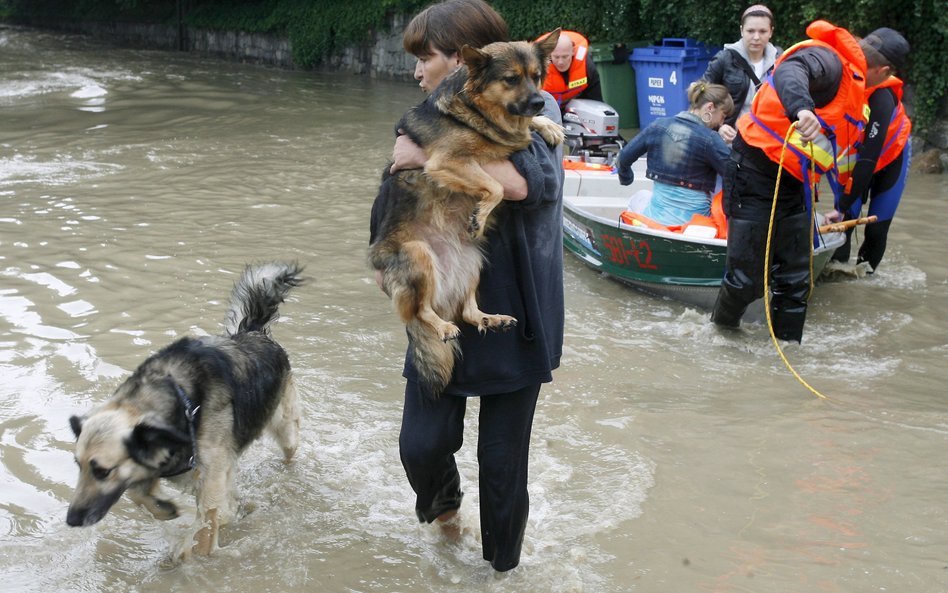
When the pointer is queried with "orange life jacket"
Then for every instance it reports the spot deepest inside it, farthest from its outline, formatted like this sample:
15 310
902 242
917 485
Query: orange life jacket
578 80
842 119
896 137
900 126
584 166
716 221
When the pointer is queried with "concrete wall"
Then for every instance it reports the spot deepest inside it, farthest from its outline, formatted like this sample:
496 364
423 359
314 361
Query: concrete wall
382 56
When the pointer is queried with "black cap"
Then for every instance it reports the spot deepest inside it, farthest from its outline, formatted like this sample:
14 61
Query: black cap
890 44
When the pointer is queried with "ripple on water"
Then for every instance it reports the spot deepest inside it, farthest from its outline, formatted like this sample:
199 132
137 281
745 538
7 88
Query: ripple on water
60 171
131 196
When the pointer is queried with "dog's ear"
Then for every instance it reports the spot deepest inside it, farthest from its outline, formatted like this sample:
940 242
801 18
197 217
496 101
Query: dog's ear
548 44
75 422
151 445
474 59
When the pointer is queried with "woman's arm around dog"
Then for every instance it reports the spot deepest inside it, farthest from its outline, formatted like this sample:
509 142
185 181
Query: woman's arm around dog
408 155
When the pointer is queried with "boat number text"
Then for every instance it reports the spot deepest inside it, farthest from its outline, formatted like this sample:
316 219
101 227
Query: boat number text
624 252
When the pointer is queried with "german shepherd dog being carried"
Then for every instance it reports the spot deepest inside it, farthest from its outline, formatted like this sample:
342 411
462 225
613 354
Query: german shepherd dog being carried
428 248
193 406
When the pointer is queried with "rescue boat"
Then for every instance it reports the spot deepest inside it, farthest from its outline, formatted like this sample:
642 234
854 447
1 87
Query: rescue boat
686 264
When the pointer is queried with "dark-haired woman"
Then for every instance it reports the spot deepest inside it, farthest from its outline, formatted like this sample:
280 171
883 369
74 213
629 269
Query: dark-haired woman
740 66
522 277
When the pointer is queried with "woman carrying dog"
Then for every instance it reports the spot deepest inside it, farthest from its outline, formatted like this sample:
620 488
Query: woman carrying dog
523 276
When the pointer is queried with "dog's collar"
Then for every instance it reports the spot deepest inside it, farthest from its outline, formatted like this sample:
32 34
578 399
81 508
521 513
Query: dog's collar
191 412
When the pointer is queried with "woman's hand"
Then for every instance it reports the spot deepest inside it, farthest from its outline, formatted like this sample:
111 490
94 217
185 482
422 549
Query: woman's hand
727 133
406 154
515 186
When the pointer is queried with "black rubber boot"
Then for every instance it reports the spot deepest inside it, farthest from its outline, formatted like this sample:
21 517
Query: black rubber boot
843 251
728 310
873 246
790 274
743 271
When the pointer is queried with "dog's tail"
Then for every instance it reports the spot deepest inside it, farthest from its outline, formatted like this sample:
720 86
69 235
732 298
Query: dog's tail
257 295
434 358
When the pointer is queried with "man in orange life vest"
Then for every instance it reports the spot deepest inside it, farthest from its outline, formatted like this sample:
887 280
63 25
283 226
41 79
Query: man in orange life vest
819 85
572 73
882 161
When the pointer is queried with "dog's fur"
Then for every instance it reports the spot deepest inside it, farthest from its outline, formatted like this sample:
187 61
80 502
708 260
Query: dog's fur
429 243
197 402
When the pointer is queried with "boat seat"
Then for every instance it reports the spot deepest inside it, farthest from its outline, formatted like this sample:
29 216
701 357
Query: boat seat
704 227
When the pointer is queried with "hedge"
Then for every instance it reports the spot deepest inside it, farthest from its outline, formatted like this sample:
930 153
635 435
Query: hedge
320 28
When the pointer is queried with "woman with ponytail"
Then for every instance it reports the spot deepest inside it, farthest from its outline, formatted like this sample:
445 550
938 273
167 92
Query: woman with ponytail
685 156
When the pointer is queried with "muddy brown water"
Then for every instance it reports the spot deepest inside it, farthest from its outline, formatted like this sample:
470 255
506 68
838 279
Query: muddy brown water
134 186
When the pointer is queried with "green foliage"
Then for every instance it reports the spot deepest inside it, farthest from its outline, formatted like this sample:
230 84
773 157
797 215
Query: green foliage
316 28
252 17
321 28
87 10
922 22
608 21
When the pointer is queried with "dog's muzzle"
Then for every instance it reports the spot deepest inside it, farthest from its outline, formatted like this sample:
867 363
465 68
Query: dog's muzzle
533 105
81 516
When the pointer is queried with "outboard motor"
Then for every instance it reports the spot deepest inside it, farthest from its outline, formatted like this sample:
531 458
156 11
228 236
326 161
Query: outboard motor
592 131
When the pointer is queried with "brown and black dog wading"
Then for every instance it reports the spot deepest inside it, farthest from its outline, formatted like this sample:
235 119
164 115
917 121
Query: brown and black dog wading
191 409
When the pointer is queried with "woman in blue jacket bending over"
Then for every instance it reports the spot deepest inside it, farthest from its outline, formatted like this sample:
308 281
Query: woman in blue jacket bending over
685 156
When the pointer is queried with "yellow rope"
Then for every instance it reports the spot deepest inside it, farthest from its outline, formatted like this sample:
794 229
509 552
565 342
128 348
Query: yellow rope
770 229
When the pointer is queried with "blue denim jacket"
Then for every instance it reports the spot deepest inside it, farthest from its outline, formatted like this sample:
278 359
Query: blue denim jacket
681 151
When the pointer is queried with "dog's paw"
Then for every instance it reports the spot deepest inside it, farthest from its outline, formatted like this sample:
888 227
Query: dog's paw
179 553
449 332
474 225
553 136
164 510
496 322
173 559
245 509
551 132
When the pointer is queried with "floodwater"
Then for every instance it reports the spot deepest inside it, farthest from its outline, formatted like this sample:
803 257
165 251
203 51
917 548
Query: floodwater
666 456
